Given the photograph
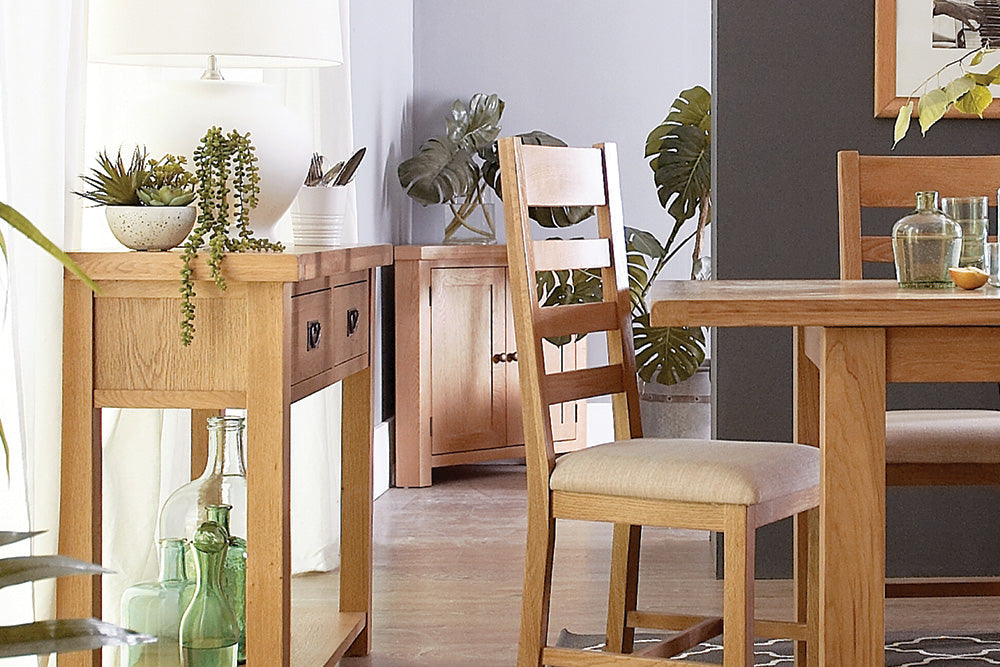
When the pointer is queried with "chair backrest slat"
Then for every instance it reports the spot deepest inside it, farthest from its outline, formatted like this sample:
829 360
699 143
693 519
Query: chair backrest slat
569 177
582 383
559 255
576 319
557 176
891 181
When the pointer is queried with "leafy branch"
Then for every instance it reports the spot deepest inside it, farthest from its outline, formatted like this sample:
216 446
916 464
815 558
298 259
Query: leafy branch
968 93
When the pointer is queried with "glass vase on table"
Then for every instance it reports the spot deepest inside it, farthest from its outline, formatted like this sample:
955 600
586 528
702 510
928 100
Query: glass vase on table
925 244
469 220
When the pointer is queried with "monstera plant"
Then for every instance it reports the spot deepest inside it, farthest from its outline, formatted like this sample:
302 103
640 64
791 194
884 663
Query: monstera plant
447 169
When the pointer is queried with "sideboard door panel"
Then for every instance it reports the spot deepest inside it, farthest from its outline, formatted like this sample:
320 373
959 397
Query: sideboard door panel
468 328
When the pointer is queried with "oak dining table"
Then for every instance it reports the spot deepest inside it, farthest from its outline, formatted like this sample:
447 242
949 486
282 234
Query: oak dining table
851 338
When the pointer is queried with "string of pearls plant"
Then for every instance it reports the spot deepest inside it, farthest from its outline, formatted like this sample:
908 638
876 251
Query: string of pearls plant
226 170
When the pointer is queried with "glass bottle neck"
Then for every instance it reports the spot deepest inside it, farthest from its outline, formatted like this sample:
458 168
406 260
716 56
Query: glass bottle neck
927 201
209 568
172 560
225 447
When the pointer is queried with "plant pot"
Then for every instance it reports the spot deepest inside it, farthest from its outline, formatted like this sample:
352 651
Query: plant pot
682 410
469 222
318 216
151 227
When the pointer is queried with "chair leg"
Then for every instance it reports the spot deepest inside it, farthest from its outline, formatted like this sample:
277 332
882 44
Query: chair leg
807 585
537 588
624 585
738 600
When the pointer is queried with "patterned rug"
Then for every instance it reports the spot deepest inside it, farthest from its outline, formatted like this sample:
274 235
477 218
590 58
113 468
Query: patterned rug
901 649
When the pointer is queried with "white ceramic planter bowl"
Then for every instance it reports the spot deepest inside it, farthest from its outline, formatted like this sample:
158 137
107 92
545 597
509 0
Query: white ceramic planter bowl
151 227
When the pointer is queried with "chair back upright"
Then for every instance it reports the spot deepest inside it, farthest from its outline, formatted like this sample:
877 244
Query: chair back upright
891 181
558 176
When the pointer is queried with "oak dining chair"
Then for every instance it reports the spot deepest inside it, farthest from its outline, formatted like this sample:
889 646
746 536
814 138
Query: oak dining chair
947 447
732 487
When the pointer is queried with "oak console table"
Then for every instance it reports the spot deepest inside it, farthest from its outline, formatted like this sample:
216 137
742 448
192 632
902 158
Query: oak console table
288 325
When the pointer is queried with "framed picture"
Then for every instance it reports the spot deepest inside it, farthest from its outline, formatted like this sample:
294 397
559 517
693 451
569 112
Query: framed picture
916 38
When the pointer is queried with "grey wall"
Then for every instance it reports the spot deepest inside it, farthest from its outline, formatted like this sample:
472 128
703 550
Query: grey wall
381 91
793 85
584 71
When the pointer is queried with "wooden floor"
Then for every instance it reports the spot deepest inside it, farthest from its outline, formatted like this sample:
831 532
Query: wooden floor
448 562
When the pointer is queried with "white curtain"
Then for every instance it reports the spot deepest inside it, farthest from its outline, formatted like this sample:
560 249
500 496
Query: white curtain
43 77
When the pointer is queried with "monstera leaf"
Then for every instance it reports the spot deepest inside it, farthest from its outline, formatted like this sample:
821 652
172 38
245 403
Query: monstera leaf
667 355
565 288
445 167
680 148
549 217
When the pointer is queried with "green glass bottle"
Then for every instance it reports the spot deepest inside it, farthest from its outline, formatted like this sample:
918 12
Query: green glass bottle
155 607
234 572
209 631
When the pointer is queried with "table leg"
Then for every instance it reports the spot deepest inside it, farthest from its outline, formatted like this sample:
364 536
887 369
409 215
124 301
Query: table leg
80 500
852 496
356 504
268 591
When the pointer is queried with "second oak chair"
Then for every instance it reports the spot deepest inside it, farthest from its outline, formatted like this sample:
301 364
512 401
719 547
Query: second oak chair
922 447
726 486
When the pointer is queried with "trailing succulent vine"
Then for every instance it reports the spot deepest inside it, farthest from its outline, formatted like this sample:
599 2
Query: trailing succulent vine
226 170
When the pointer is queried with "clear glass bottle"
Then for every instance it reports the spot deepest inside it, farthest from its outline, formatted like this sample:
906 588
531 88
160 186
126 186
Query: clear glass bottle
224 482
209 632
973 215
234 573
155 608
925 244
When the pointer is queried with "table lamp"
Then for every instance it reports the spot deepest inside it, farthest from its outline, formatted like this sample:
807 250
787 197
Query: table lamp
220 34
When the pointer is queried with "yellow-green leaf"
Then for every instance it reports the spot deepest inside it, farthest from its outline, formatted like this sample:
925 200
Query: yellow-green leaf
958 87
975 101
982 79
32 233
978 58
902 122
931 107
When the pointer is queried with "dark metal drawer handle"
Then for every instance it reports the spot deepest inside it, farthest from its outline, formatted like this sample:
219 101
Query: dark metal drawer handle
353 317
313 334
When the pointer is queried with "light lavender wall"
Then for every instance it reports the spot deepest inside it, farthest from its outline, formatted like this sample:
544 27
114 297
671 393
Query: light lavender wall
584 71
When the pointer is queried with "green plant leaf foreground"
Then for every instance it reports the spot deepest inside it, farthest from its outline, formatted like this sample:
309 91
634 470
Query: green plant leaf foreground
902 122
65 635
32 233
21 569
10 537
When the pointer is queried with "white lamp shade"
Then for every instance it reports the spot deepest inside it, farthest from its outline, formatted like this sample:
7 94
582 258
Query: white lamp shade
242 33
175 115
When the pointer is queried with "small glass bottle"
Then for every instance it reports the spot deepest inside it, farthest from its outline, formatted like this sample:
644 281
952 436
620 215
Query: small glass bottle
155 608
234 572
925 244
224 482
209 632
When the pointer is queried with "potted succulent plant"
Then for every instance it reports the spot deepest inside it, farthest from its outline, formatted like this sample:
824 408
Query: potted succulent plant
448 170
228 185
147 201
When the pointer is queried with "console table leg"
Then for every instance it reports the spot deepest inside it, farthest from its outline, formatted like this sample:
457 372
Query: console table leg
356 504
268 474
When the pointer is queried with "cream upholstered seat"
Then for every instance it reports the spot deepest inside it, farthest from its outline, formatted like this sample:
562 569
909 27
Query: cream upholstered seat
923 447
725 486
696 471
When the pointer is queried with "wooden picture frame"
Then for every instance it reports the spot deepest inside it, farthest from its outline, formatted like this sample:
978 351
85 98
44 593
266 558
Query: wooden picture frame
894 25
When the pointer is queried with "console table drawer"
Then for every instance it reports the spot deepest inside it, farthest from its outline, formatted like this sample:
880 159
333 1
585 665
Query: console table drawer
312 335
349 337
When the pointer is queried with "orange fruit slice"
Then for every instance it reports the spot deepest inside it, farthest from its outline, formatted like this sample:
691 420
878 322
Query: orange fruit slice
968 277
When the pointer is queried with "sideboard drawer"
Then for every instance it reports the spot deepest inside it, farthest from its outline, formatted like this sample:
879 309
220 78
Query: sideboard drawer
312 334
350 325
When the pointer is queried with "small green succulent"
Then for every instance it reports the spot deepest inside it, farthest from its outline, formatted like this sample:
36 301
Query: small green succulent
167 195
113 183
